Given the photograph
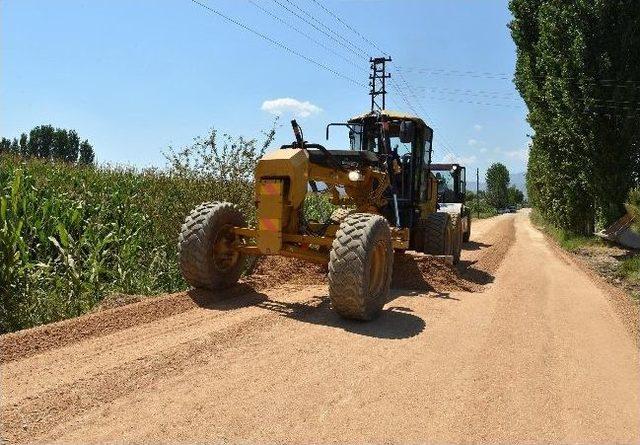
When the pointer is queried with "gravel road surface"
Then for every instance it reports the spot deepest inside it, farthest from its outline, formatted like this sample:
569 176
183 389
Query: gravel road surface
516 345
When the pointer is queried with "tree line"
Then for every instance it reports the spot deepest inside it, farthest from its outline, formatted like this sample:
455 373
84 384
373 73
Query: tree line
499 193
47 142
578 70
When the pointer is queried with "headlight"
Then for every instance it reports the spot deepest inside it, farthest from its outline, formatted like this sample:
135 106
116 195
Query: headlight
354 176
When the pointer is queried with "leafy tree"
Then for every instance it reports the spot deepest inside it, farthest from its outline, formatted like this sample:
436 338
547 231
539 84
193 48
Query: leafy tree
470 195
497 178
515 196
73 148
59 144
633 207
228 160
9 146
577 69
5 145
86 153
24 144
41 141
51 143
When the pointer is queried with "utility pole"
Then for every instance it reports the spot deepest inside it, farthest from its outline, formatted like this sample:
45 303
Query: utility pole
378 82
478 192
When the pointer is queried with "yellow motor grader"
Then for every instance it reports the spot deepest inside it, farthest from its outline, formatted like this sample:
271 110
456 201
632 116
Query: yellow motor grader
387 201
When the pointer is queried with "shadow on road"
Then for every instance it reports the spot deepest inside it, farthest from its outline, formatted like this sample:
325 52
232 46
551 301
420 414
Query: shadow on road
474 245
397 293
393 323
436 277
474 275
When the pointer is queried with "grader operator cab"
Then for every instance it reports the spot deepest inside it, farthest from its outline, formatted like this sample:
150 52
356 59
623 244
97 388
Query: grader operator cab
387 201
452 192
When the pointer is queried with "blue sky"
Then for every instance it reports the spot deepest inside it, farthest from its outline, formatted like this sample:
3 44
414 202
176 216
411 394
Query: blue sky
135 76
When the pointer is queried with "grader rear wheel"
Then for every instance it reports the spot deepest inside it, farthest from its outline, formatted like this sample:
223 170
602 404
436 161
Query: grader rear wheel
439 234
360 266
467 235
206 247
456 223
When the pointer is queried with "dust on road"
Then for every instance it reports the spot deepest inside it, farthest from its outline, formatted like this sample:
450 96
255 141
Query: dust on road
514 345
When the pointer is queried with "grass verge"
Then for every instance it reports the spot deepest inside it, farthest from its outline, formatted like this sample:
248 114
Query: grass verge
617 265
565 239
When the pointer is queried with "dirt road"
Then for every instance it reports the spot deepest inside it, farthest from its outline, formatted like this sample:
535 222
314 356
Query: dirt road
523 346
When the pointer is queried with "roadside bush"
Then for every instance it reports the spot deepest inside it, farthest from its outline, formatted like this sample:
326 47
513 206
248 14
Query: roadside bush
629 269
565 238
633 207
478 205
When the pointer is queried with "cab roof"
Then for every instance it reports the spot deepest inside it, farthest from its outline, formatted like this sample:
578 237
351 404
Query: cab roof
391 114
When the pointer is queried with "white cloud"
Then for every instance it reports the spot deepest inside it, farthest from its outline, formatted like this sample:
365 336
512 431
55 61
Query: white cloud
454 159
288 105
472 142
477 127
518 154
522 155
483 150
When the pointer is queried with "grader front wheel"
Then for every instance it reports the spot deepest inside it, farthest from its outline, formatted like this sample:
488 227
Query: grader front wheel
208 257
360 266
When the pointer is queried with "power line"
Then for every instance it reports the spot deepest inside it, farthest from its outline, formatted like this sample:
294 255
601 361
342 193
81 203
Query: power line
312 17
466 91
349 27
277 43
461 73
623 83
446 93
474 102
307 58
446 143
515 107
299 31
285 7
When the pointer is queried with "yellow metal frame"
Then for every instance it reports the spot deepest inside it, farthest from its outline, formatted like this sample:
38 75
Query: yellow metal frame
307 247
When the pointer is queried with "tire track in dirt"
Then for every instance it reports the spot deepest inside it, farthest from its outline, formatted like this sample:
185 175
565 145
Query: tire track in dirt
37 340
63 365
32 416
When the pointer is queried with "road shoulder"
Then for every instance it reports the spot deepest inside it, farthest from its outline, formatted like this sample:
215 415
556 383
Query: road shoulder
627 308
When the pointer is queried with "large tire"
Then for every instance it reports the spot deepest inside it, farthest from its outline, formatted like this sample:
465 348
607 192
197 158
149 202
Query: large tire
418 235
456 222
439 234
360 266
207 257
467 235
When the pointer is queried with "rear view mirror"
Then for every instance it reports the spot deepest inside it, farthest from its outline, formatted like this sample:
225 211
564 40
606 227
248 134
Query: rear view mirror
407 132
